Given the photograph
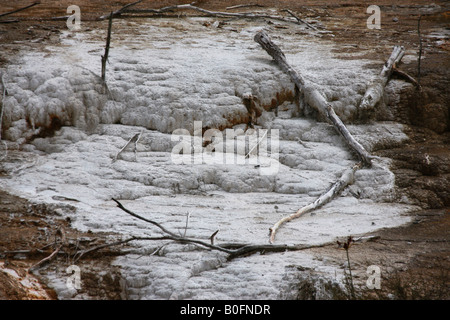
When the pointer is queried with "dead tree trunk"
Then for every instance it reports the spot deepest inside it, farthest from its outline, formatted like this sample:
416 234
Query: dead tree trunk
312 96
375 90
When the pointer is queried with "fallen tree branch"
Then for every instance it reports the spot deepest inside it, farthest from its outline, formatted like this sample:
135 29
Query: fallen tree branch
21 9
170 235
375 90
10 21
119 12
406 77
300 20
212 236
212 13
312 96
233 250
81 253
265 248
346 179
257 144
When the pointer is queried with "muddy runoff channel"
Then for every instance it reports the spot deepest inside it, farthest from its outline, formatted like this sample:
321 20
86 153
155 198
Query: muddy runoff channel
168 83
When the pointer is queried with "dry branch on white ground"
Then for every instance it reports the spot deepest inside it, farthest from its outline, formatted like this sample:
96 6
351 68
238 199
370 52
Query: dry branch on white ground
311 96
375 90
233 250
315 99
135 140
299 19
219 14
346 179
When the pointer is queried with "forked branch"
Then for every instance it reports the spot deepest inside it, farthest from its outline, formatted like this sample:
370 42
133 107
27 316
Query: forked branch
233 250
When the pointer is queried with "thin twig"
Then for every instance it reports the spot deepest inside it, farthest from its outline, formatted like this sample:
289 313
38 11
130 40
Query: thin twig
119 12
21 9
10 21
105 56
257 144
244 6
171 235
420 49
406 76
81 253
335 189
212 13
134 139
186 226
300 20
213 236
59 232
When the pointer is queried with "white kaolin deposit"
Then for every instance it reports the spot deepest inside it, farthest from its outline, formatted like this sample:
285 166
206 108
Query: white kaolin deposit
170 73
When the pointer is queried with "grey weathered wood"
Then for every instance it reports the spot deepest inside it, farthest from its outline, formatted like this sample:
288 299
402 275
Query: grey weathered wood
21 9
311 96
300 20
375 90
119 12
134 140
336 188
233 250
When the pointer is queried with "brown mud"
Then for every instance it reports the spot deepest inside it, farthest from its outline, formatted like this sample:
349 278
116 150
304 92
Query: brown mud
414 259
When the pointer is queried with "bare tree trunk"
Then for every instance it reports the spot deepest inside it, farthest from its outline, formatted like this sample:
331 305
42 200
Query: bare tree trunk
312 97
375 90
